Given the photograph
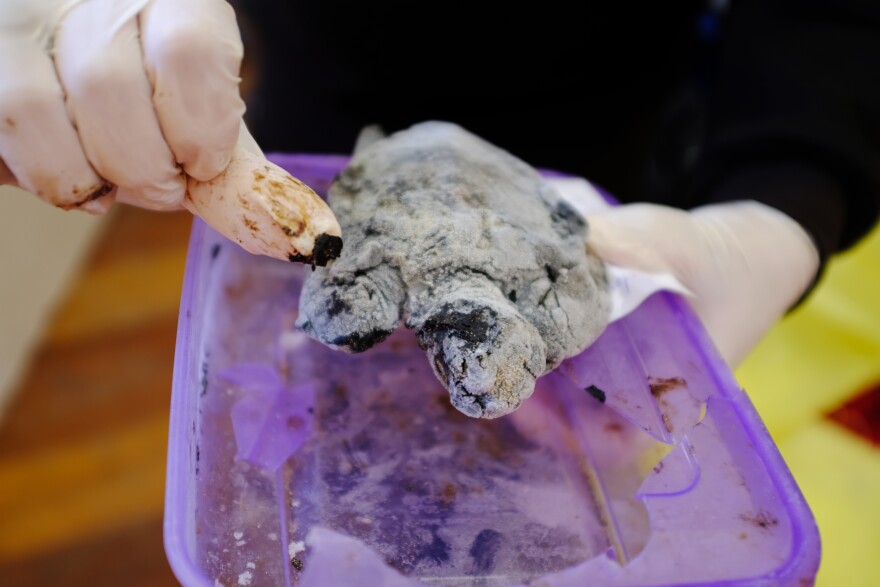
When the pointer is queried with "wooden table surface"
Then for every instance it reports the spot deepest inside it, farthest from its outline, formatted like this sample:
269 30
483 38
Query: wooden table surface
83 444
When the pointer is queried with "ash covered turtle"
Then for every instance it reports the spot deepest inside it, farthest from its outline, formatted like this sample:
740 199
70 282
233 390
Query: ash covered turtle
473 249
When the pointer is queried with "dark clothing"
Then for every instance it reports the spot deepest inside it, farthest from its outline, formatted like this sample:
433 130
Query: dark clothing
669 102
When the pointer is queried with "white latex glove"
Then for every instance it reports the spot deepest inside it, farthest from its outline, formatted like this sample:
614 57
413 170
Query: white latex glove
138 100
745 263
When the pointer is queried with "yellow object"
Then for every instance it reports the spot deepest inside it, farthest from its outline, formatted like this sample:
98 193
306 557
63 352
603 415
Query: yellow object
824 353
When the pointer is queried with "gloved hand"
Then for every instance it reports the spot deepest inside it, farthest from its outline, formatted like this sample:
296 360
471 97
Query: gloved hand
745 263
138 100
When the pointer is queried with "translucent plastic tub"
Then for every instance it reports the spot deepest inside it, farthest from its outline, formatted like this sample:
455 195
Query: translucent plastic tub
638 463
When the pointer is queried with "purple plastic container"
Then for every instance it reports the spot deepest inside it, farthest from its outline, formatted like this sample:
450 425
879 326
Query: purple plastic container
639 462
